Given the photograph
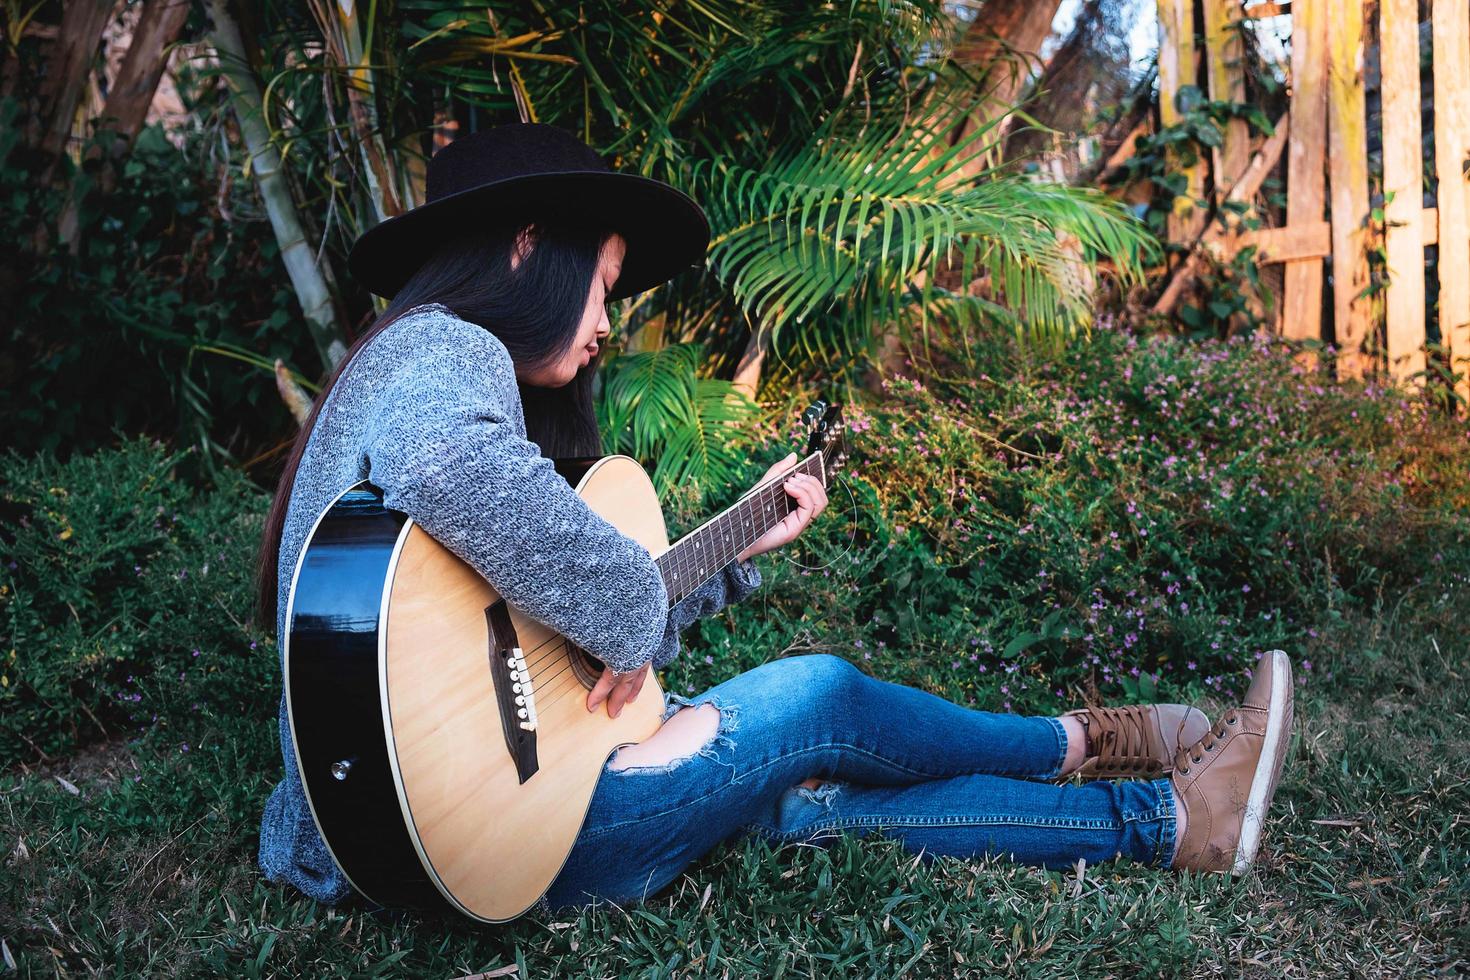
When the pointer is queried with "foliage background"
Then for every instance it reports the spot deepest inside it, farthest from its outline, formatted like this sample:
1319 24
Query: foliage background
1103 543
1044 504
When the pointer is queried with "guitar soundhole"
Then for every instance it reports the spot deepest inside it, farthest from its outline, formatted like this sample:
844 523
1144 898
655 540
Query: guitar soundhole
586 667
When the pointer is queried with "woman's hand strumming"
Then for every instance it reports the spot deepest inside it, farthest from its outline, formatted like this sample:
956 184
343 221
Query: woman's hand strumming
811 499
616 689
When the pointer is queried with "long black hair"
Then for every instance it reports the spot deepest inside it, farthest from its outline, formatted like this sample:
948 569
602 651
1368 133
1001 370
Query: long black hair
534 309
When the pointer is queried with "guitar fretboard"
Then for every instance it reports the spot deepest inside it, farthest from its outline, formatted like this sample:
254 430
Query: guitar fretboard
698 555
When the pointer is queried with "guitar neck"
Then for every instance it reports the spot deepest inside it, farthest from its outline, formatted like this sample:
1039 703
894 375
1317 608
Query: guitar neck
698 555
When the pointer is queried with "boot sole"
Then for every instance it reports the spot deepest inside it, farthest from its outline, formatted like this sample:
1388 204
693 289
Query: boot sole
1268 767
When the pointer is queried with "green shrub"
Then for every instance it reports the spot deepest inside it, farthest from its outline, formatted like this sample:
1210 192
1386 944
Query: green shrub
1129 519
132 331
1125 520
124 598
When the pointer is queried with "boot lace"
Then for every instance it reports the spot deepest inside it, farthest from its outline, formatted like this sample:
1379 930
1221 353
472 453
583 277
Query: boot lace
1195 754
1121 739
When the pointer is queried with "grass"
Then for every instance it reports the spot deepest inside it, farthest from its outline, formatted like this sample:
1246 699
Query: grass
148 868
1144 518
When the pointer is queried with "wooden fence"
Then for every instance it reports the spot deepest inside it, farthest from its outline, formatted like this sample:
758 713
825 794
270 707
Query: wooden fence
1330 236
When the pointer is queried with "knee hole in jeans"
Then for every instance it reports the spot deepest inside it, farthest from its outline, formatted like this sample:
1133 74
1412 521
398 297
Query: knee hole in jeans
686 733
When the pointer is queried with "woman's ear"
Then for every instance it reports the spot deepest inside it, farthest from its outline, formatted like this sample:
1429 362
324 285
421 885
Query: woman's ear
525 241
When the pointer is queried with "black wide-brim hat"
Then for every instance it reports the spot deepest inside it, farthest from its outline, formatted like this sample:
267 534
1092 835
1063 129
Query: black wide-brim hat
524 171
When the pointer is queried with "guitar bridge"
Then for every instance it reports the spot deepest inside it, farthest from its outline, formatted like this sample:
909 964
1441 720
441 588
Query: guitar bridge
521 687
514 691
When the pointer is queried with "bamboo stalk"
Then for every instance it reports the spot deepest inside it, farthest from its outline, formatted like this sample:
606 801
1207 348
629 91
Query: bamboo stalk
275 192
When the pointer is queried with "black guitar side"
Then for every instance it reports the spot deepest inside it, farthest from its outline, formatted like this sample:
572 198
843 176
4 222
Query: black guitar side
335 701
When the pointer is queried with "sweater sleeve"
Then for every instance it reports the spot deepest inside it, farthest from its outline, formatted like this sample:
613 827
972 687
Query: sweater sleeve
734 582
455 459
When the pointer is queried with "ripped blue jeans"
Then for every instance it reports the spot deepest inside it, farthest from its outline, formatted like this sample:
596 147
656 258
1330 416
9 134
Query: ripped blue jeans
944 779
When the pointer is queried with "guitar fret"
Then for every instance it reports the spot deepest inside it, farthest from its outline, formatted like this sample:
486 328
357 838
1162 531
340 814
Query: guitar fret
699 554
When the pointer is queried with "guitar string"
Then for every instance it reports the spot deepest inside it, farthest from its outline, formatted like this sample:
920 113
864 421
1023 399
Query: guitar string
771 491
546 695
561 691
851 538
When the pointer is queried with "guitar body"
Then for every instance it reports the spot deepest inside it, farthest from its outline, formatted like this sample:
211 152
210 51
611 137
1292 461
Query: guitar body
442 738
403 710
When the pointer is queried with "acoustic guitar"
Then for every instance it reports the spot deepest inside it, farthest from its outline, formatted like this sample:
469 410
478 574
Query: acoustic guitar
442 737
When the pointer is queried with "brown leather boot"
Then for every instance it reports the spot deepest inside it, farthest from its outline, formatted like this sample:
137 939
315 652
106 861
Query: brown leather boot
1136 739
1225 781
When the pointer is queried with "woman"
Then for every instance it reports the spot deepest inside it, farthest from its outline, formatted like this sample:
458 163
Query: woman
480 369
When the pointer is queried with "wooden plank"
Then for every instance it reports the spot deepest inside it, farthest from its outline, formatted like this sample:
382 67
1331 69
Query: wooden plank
1429 226
1177 68
1306 174
1451 146
1261 11
1403 186
1123 153
1215 238
1313 240
1225 75
1347 172
1295 245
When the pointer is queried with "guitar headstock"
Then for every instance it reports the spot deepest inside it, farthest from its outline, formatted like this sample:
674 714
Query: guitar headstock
827 428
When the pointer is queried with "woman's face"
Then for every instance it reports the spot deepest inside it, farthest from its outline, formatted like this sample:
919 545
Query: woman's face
594 327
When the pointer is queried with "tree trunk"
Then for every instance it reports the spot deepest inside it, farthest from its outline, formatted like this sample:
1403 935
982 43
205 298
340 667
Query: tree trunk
275 191
1002 42
1071 73
137 79
748 368
131 94
82 22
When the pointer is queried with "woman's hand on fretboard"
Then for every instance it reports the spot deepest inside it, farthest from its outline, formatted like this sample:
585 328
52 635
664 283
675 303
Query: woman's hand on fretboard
811 499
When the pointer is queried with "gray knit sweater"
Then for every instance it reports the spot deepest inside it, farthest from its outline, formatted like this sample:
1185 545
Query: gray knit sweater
429 412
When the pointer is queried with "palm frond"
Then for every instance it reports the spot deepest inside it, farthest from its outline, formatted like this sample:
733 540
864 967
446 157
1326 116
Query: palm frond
654 406
835 225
